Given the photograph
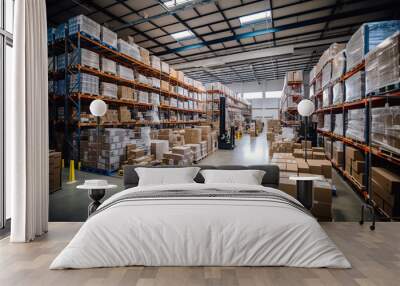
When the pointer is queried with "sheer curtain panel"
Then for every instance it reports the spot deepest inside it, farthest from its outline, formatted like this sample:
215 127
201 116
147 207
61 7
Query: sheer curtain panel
27 124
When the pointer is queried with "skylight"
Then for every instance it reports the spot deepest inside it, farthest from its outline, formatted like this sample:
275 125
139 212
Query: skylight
174 3
183 35
256 18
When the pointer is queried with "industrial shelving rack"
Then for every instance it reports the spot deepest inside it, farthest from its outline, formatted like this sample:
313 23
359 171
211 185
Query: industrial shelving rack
72 125
289 115
371 151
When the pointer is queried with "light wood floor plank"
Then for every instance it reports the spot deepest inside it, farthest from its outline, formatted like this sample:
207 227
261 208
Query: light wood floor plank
375 257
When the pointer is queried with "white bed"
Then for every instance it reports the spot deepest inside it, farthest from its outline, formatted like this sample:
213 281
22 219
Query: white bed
200 231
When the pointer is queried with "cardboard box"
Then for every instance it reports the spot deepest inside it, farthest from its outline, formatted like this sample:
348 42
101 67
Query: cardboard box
358 166
306 143
389 181
322 192
318 155
326 168
287 175
158 148
193 135
322 211
318 149
315 167
354 154
288 186
379 190
292 167
302 166
359 177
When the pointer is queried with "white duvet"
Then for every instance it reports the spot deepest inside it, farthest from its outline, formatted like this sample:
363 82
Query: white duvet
202 232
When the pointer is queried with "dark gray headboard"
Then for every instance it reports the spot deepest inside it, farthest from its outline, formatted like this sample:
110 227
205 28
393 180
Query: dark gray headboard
270 179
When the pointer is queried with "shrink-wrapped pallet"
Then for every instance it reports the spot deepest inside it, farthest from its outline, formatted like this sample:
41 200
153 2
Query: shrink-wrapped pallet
356 124
108 89
155 62
367 37
143 97
85 58
145 55
84 24
337 93
382 64
338 127
326 74
84 83
108 66
385 131
59 32
327 123
125 92
338 65
355 86
109 38
326 95
124 72
131 50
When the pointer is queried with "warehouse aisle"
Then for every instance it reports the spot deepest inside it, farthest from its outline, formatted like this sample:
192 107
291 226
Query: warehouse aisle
69 204
248 151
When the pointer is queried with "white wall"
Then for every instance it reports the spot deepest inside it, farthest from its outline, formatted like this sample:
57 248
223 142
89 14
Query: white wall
262 108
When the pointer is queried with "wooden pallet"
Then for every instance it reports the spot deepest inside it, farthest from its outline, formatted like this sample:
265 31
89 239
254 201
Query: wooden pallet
108 46
385 89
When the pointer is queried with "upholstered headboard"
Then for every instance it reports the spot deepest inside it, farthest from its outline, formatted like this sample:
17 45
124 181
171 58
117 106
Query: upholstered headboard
270 179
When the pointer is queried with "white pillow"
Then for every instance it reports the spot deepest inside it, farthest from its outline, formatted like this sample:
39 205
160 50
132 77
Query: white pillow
248 177
166 176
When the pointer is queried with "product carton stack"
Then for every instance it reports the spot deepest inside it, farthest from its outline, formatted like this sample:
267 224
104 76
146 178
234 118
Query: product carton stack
107 151
111 116
385 131
196 150
281 147
322 200
193 135
136 156
125 114
54 171
159 148
206 136
180 156
337 153
178 138
386 190
203 145
354 164
166 134
125 93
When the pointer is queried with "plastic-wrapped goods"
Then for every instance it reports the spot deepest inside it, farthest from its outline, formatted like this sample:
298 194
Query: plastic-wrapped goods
108 37
145 55
338 129
125 92
337 93
155 62
85 58
382 64
367 37
165 67
328 55
312 75
327 123
60 88
84 83
355 124
326 74
385 131
108 66
294 76
142 78
326 96
155 99
61 62
355 86
124 72
129 49
84 24
143 97
59 32
338 65
108 89
155 82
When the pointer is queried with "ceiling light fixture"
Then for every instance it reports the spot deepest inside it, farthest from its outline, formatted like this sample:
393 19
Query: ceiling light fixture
256 18
175 3
183 35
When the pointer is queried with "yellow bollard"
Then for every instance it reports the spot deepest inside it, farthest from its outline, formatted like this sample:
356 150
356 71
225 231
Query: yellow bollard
71 177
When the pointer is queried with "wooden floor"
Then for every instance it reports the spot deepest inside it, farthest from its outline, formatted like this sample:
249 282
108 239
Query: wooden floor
375 257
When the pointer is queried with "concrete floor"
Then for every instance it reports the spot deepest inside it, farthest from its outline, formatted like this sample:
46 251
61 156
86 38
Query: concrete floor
70 204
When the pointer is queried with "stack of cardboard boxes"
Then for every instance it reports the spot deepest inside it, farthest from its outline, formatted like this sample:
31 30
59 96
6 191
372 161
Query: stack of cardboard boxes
386 190
193 135
180 156
137 156
125 114
354 164
54 171
159 148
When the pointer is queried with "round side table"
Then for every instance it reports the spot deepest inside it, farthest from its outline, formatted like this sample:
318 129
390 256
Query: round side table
96 191
305 189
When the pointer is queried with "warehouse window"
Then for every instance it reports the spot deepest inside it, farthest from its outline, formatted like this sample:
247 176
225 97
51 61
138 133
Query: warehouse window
273 94
251 95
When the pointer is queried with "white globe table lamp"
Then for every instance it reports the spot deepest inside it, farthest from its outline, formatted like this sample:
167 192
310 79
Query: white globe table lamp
305 108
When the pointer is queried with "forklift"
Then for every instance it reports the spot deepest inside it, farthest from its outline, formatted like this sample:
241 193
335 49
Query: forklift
226 138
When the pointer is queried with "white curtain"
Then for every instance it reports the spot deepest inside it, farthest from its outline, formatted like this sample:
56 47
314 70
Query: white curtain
27 124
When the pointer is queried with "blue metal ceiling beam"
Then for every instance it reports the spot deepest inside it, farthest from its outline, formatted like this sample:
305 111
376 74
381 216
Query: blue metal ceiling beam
279 29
